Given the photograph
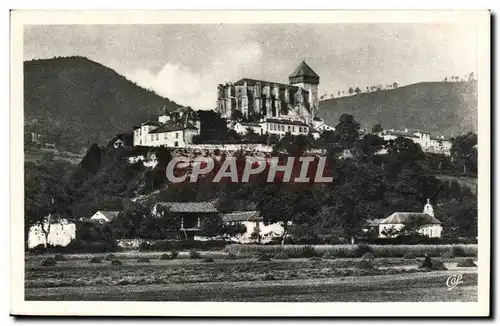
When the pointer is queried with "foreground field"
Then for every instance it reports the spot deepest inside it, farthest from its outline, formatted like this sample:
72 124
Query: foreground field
392 279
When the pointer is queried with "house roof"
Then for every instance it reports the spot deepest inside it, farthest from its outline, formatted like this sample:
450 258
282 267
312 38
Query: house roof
110 215
242 216
287 122
374 222
173 126
406 218
151 123
191 207
303 70
250 124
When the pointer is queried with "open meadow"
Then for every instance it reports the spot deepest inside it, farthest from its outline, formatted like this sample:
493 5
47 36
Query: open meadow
232 275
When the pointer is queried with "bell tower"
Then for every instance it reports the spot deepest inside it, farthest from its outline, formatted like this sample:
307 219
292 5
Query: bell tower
428 208
304 77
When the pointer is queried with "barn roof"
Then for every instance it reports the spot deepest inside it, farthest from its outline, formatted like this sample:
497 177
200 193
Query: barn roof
406 218
242 216
191 207
110 215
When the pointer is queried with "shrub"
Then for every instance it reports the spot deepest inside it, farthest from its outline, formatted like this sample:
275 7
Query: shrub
164 257
208 260
50 261
95 260
281 256
328 255
409 255
116 262
59 257
458 251
174 254
364 264
143 260
368 256
307 252
194 254
264 257
110 257
466 263
362 249
231 256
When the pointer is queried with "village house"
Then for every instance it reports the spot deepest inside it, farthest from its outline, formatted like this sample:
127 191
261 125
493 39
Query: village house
428 143
254 223
104 216
425 222
175 129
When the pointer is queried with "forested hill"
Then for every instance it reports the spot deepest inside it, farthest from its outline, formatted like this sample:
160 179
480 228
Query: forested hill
74 102
441 108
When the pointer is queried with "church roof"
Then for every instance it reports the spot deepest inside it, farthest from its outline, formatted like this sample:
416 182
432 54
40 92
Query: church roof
253 82
303 70
408 217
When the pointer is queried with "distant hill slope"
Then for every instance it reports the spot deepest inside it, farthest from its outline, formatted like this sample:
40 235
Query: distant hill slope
74 102
440 108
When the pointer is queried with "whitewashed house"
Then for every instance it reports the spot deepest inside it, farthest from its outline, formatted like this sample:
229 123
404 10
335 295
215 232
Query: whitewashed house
104 216
242 127
430 226
253 221
60 233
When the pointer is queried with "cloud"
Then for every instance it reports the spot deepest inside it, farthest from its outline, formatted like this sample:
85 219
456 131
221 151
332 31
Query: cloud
199 89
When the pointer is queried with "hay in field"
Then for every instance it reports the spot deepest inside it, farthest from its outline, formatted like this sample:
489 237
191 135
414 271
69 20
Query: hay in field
264 257
368 256
281 256
95 260
364 264
50 261
466 263
208 260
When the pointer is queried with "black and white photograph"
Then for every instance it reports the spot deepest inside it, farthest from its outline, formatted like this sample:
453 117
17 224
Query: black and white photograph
218 157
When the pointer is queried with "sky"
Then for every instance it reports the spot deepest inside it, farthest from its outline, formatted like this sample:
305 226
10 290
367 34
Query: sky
186 62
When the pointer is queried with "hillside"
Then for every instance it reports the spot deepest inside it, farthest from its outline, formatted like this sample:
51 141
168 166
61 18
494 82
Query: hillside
74 102
440 108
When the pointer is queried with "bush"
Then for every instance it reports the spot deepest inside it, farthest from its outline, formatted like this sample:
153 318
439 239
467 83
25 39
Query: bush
59 257
364 264
194 254
110 257
169 245
350 251
466 263
281 256
164 257
50 261
208 260
458 251
95 260
368 256
143 260
307 252
362 249
409 255
174 254
116 262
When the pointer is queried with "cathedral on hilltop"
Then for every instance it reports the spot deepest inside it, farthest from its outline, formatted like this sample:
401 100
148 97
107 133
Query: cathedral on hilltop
283 106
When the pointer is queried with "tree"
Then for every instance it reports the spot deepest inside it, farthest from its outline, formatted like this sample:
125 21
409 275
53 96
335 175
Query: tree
464 148
395 85
347 130
377 128
357 90
369 145
351 90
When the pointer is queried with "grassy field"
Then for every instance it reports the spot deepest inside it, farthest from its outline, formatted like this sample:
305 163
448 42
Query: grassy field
391 279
